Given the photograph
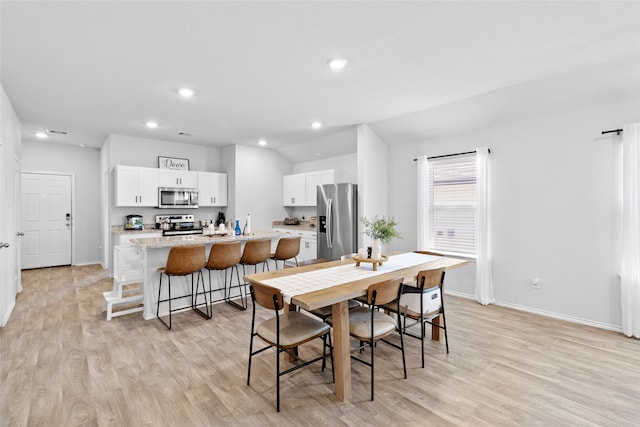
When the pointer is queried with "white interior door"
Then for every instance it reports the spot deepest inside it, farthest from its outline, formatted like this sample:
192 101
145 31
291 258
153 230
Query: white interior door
17 207
46 220
5 276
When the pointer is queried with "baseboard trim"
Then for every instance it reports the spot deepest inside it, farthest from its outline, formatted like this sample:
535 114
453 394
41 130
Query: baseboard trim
5 317
78 264
544 313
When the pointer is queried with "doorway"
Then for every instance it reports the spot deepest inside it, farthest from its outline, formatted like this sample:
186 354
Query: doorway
46 219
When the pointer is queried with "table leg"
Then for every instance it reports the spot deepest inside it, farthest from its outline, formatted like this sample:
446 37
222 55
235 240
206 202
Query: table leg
435 330
290 356
341 350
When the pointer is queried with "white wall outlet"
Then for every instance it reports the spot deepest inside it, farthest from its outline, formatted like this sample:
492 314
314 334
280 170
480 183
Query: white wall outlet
535 282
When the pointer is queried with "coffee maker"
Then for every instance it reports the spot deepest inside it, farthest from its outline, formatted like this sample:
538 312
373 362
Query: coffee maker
221 219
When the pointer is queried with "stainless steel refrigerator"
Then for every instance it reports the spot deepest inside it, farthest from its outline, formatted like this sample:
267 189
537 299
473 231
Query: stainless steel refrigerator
337 220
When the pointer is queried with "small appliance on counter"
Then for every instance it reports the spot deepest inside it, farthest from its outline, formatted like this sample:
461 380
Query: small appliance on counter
221 219
177 225
291 220
133 222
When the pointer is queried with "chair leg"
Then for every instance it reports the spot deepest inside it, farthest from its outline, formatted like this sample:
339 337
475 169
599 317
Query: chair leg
404 361
277 379
422 333
444 326
372 344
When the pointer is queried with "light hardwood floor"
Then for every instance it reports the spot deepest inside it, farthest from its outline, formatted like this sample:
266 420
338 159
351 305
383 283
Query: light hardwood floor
62 364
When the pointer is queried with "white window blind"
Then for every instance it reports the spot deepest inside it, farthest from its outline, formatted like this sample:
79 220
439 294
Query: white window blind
451 187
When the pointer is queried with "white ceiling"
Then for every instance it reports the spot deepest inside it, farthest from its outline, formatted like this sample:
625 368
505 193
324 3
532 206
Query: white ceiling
259 69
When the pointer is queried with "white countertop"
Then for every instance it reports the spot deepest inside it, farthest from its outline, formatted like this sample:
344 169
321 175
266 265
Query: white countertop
199 239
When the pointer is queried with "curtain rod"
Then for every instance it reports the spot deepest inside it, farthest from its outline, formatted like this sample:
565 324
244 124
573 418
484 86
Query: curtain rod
451 155
611 131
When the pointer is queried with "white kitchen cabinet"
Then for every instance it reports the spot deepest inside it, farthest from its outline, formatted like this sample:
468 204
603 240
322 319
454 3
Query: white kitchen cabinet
136 186
308 248
313 179
301 189
177 178
212 189
294 190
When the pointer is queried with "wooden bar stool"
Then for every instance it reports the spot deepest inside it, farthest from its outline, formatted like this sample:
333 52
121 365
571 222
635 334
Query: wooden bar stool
222 257
255 252
288 247
184 261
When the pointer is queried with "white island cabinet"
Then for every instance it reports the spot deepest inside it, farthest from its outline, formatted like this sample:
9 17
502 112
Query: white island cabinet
154 255
135 186
212 189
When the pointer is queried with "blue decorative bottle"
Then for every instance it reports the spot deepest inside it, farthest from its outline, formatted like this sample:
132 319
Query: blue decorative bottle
238 230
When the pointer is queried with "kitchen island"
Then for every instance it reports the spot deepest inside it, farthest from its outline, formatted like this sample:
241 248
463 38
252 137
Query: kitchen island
155 251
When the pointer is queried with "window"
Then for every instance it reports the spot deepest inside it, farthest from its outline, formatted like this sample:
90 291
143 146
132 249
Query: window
451 204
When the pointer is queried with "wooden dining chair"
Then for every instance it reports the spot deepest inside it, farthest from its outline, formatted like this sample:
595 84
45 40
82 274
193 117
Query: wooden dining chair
369 325
423 303
285 331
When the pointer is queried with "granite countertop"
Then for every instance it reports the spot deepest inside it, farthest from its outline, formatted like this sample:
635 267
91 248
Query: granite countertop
304 225
148 228
199 239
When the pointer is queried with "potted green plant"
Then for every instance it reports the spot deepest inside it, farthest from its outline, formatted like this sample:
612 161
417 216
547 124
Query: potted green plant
381 230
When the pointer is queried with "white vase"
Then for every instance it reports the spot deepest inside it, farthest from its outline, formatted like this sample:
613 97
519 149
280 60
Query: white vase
376 249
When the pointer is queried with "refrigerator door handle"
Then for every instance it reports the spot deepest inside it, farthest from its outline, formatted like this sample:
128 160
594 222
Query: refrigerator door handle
329 225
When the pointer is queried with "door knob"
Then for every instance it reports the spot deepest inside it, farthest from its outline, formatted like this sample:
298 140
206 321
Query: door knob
4 245
19 234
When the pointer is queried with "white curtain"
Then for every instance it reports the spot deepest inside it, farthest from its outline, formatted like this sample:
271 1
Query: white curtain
484 272
423 211
630 289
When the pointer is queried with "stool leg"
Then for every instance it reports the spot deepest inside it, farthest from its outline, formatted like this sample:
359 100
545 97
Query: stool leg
194 296
158 307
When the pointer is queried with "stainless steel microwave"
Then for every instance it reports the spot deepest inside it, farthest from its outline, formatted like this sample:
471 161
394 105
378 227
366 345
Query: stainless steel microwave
170 197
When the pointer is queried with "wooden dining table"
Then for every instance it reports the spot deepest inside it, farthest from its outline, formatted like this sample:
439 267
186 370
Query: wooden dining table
341 286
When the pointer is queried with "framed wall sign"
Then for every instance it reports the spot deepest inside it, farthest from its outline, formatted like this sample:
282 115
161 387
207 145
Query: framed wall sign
173 163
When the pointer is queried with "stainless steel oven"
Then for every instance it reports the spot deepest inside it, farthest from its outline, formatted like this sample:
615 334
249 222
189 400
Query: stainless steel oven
170 197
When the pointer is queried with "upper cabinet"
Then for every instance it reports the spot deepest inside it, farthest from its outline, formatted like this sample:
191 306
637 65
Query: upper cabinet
300 189
294 190
177 178
313 179
136 186
212 189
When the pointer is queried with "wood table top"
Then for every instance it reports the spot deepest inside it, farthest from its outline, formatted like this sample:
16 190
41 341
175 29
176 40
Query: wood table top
328 296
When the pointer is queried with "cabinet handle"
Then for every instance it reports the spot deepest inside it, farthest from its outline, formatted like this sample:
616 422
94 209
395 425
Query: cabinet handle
293 200
4 245
214 200
141 198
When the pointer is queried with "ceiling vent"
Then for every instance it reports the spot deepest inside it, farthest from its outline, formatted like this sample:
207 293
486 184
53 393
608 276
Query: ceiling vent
59 132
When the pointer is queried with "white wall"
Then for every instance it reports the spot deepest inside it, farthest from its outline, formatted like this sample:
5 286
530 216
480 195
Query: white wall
258 186
555 207
10 145
84 164
373 178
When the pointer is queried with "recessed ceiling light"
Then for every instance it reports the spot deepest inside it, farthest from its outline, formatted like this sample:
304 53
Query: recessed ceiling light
262 142
83 145
41 135
152 125
337 63
186 92
316 125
